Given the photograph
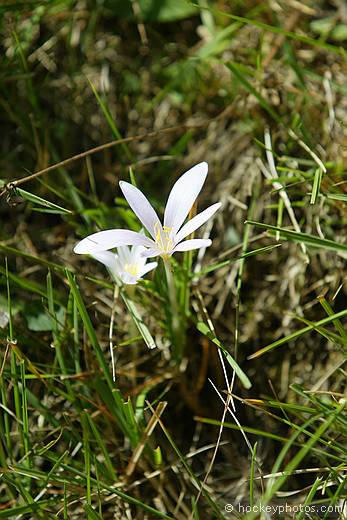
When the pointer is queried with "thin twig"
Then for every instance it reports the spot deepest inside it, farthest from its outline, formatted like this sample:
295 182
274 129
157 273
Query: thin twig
18 182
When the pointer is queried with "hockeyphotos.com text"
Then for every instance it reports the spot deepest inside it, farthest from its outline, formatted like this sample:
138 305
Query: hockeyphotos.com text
282 509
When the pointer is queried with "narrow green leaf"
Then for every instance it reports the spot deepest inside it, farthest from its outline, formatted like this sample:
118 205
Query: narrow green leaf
235 69
219 265
316 185
91 513
108 116
34 259
141 326
256 252
25 416
204 329
35 507
337 196
251 477
307 446
131 421
276 30
298 333
308 500
339 493
86 453
190 472
41 202
247 429
310 240
108 463
99 354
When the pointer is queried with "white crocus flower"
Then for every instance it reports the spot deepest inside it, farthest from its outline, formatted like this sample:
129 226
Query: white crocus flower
167 238
128 264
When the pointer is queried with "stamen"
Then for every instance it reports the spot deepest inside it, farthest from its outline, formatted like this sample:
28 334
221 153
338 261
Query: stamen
131 269
163 240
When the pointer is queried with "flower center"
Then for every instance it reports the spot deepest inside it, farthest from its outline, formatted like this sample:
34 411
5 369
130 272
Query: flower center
131 269
163 238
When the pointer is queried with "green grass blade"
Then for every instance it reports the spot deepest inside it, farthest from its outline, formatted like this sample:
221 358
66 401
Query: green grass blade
204 329
251 477
14 371
296 460
337 196
337 323
91 513
41 506
310 240
35 199
316 185
236 70
337 496
111 123
298 333
277 30
99 439
25 417
86 453
118 401
131 422
308 500
189 470
33 259
141 326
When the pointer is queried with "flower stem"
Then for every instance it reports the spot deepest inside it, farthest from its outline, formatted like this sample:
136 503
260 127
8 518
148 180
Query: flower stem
110 332
177 346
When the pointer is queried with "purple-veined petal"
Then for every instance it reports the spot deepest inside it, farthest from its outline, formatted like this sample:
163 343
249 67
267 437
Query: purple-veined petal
104 240
195 243
197 221
183 195
148 267
141 207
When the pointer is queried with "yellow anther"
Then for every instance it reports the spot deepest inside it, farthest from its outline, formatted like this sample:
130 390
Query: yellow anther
167 229
131 269
158 237
162 237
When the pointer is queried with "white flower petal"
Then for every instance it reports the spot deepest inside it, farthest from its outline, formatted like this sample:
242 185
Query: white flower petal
124 254
195 243
148 267
107 258
196 222
136 255
127 278
151 252
111 261
104 240
183 195
141 207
